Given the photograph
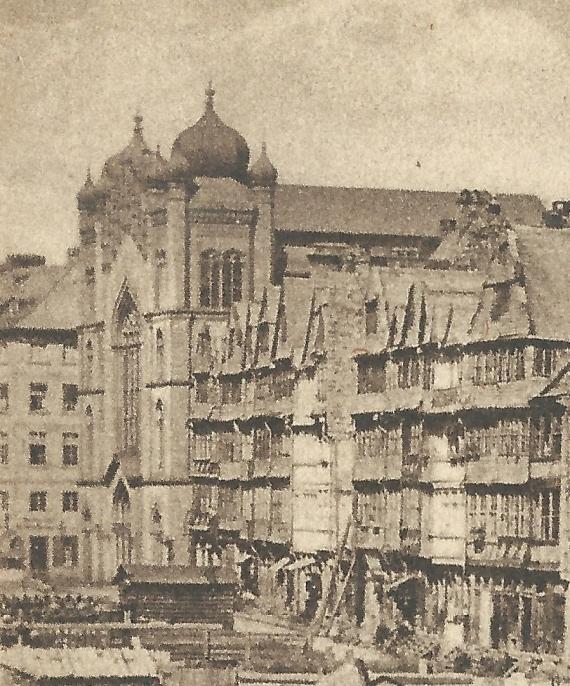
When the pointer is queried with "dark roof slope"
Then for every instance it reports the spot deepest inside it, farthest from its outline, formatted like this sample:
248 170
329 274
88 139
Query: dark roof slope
544 255
382 211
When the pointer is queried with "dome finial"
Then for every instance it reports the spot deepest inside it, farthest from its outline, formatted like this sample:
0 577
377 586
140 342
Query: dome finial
138 130
210 92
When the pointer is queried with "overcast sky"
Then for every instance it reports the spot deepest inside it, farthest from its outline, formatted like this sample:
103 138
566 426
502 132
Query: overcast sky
346 92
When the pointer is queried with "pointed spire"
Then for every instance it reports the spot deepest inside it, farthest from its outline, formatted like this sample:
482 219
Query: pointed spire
138 130
210 92
88 179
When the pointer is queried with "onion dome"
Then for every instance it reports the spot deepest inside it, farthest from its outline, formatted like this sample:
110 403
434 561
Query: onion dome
132 159
210 148
263 173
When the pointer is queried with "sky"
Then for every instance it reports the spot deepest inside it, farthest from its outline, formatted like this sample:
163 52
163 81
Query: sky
345 92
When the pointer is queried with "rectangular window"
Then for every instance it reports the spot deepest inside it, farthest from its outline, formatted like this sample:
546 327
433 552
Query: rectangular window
3 447
202 390
4 397
371 376
37 447
544 362
69 394
38 501
38 392
65 551
70 449
231 389
69 501
548 506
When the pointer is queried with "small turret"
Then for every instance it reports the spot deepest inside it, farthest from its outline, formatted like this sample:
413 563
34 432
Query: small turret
263 173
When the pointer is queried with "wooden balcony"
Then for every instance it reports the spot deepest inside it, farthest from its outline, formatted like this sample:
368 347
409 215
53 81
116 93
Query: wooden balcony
377 469
260 529
492 469
508 551
260 469
280 532
280 467
414 467
231 522
369 537
545 470
238 470
204 470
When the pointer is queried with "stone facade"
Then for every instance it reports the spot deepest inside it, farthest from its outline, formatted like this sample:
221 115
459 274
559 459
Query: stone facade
298 381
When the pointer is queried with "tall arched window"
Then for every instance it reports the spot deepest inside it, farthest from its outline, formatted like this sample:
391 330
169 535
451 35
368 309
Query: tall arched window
210 279
159 409
221 278
122 524
90 434
129 343
231 278
159 345
89 361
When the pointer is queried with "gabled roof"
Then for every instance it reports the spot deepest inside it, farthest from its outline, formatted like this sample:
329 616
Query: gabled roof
382 211
526 290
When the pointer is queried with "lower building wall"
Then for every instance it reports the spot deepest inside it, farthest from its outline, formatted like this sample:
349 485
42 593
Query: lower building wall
491 608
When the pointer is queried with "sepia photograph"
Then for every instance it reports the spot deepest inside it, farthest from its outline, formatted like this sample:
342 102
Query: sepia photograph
284 365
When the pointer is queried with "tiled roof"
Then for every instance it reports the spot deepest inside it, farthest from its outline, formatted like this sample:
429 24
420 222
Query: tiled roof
382 211
83 663
544 256
58 307
221 194
26 286
173 574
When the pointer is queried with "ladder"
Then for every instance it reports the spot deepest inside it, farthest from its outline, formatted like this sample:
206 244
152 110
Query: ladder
332 600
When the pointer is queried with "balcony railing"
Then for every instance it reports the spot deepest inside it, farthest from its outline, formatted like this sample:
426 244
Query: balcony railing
280 467
381 468
231 522
492 469
204 469
239 470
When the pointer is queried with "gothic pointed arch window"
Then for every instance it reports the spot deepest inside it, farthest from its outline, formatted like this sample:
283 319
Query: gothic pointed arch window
128 334
121 524
232 269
